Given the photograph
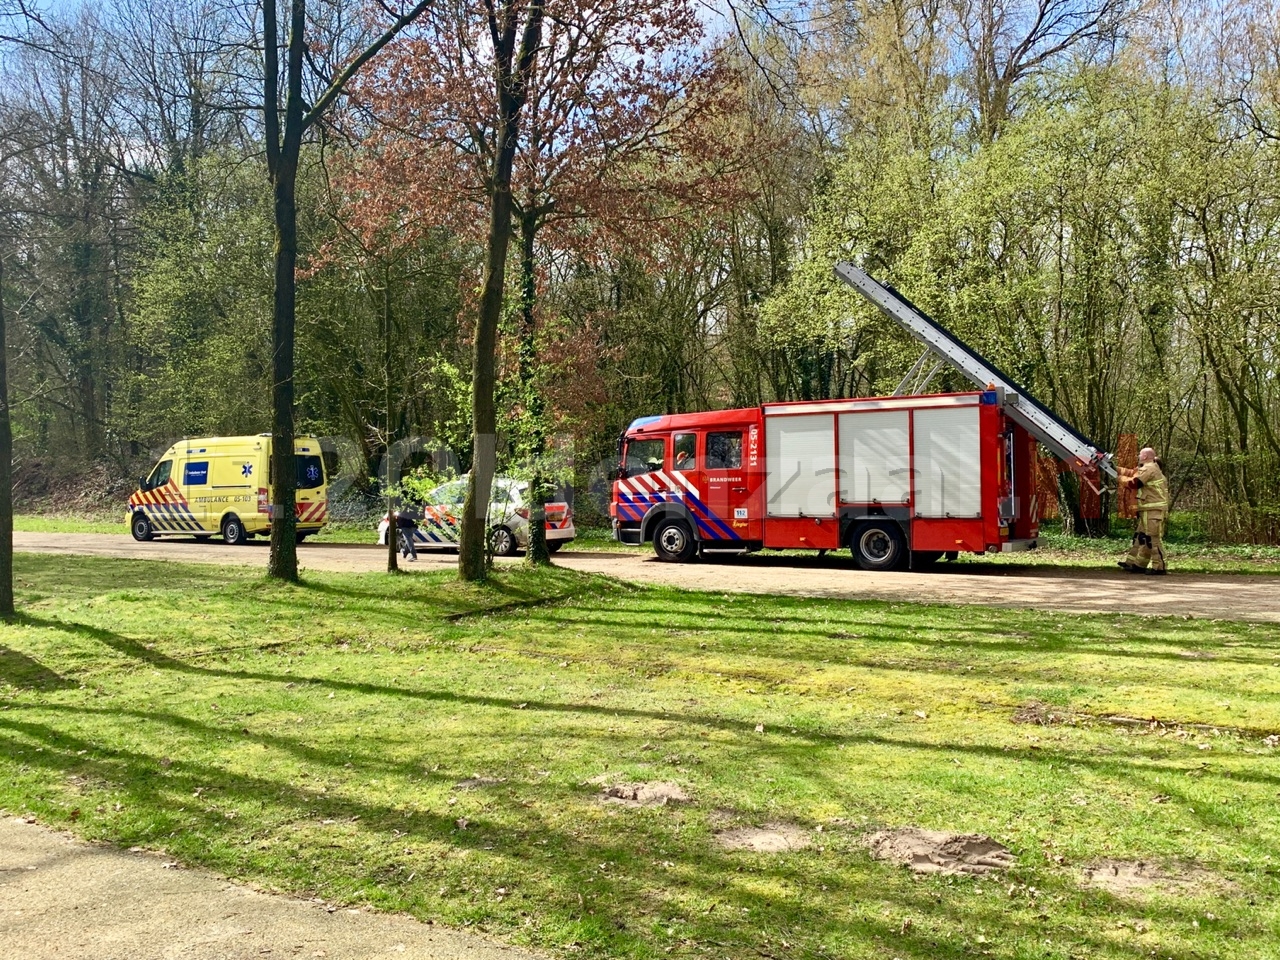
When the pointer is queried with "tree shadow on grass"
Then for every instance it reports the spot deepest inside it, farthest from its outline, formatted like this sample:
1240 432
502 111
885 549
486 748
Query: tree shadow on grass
600 879
27 673
156 659
989 637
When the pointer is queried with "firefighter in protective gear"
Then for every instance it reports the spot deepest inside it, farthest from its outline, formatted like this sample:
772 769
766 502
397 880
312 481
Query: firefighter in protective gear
1146 555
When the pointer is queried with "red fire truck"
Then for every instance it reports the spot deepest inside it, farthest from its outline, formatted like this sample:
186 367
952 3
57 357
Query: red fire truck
898 480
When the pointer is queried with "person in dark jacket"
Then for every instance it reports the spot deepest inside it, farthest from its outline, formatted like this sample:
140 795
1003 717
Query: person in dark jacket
406 526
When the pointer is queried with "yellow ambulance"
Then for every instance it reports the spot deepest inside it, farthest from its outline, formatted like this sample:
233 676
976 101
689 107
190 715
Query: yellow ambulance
221 485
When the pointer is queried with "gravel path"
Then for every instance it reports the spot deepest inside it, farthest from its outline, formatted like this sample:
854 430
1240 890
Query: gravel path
64 899
1070 589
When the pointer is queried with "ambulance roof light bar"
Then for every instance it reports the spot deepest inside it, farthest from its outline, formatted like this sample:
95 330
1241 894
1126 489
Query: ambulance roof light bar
1020 405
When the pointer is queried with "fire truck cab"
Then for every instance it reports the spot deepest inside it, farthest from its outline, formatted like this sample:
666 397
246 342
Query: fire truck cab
900 481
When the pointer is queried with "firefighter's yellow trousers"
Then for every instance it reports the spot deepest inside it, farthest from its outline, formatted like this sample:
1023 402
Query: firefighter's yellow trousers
1148 541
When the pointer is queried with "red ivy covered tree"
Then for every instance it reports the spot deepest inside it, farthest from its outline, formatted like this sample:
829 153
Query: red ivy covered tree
615 102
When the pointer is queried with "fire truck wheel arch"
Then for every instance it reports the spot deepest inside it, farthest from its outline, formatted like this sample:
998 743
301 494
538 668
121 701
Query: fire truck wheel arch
663 511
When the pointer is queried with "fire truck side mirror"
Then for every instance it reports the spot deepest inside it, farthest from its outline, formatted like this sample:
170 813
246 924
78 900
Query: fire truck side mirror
616 474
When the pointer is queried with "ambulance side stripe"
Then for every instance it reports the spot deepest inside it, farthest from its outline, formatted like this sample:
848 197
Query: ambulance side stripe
175 517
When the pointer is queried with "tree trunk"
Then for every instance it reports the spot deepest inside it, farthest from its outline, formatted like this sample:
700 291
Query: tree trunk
282 163
536 554
393 530
512 87
6 466
473 539
284 522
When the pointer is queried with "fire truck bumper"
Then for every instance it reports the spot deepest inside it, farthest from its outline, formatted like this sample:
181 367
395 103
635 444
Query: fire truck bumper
629 534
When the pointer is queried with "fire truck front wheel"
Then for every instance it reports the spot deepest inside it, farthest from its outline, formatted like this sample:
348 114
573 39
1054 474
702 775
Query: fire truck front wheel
673 541
878 545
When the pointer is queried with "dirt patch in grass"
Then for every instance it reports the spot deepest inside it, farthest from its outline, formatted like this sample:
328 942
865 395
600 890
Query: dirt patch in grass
657 793
771 838
1135 878
935 851
1043 714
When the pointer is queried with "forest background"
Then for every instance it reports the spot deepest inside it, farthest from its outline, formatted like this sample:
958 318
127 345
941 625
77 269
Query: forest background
1087 192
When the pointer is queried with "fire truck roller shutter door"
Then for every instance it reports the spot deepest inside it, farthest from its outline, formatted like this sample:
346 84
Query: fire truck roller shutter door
801 466
947 463
875 457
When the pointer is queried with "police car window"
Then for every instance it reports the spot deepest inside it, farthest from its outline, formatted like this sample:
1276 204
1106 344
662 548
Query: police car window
310 472
160 475
686 451
448 494
644 456
724 450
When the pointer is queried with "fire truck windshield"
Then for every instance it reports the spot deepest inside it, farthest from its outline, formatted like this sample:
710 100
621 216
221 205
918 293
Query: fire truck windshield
643 456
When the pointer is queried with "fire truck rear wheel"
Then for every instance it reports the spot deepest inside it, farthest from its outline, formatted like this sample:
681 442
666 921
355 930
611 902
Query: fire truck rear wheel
673 541
233 530
140 527
878 545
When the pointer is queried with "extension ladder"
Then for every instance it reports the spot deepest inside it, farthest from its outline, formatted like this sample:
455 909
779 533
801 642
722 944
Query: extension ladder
1023 408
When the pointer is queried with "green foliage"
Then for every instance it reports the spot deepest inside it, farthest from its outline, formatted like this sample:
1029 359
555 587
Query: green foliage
199 323
1096 251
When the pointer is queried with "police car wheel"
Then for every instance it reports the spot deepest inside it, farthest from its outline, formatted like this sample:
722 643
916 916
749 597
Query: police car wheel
502 542
878 545
233 531
140 527
673 542
553 546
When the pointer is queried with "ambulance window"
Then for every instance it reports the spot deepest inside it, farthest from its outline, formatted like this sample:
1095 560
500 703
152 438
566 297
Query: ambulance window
644 456
310 472
196 473
686 451
724 451
160 475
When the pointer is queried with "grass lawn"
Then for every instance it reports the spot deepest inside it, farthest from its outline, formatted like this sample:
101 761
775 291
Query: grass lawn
58 523
311 739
